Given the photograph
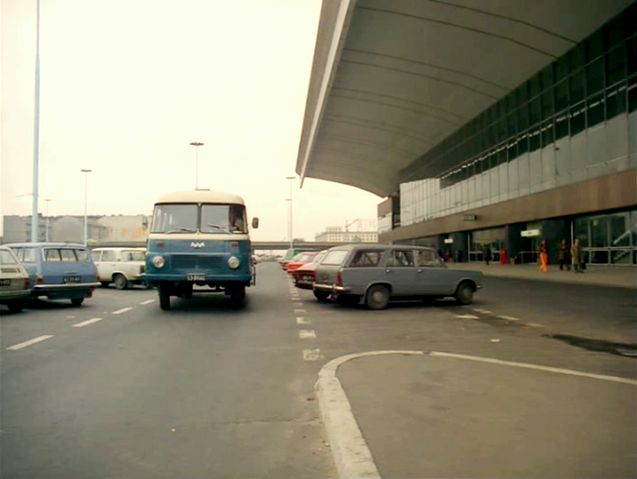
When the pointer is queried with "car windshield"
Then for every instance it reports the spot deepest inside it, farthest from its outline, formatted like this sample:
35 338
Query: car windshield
169 218
223 219
214 218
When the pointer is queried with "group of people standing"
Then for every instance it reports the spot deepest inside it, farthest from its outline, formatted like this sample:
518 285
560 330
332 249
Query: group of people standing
570 256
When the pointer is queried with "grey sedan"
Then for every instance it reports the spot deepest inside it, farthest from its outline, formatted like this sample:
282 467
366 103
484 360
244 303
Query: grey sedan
378 273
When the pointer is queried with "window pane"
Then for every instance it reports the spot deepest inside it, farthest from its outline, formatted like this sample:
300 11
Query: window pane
366 259
174 219
576 83
81 254
400 258
595 113
577 120
615 65
561 96
67 255
52 255
595 76
335 257
599 232
7 258
615 103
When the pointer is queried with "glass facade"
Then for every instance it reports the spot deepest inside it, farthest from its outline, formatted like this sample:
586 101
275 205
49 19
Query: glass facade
574 120
609 238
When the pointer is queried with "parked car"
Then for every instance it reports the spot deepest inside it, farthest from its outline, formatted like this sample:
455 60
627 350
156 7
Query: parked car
58 270
378 273
14 281
120 266
303 276
289 254
300 259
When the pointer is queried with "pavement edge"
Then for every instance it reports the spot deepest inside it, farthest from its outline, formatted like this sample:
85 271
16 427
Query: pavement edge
351 455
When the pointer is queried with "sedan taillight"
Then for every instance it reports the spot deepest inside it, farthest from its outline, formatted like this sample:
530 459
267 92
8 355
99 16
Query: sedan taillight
339 278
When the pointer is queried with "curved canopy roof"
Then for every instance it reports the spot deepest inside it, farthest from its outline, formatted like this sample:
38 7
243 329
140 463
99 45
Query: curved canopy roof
393 78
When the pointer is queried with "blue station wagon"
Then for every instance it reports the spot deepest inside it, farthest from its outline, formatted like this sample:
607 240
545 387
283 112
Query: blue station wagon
377 273
58 270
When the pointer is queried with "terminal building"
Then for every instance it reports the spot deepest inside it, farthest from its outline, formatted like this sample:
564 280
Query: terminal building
488 123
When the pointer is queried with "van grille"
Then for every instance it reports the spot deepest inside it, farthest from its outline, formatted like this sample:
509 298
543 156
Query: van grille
189 263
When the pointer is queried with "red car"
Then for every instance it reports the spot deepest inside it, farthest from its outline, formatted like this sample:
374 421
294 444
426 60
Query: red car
304 275
300 259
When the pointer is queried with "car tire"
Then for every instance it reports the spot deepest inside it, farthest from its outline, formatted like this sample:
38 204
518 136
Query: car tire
464 293
15 306
164 298
377 297
321 296
120 281
77 301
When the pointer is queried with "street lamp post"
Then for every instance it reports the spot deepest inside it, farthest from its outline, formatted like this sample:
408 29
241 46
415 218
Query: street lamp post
47 200
290 229
86 172
36 132
196 144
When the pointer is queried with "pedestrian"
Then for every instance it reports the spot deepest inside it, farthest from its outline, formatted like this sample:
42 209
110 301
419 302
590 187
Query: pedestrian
486 252
544 257
576 256
562 255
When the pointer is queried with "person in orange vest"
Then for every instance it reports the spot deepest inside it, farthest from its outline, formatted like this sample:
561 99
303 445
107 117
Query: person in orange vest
544 257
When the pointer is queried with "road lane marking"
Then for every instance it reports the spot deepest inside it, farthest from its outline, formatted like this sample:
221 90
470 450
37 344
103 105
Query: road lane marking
534 325
483 311
30 342
536 367
298 304
508 318
300 311
466 316
123 310
311 354
87 322
148 301
302 320
307 334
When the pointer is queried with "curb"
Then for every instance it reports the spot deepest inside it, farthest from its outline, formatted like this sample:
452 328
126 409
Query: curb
352 457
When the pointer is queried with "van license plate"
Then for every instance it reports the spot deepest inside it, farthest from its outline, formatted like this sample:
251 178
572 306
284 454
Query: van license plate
195 277
71 279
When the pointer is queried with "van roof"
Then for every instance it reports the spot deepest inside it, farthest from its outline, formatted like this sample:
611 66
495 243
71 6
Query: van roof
200 196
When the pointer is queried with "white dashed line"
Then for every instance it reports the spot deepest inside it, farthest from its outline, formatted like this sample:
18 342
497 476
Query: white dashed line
148 301
508 318
483 311
311 354
123 310
302 320
300 311
534 325
466 316
298 304
87 322
307 334
30 342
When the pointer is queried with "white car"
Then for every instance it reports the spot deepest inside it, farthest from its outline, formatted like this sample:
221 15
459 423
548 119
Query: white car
120 266
14 281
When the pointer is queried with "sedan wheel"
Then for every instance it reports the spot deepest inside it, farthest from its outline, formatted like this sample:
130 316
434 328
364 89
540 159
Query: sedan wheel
377 297
321 296
464 293
77 301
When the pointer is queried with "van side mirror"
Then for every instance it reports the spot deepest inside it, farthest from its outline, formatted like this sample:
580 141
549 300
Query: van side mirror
255 223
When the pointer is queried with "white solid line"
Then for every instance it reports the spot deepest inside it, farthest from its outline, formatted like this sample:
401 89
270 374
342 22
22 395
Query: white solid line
307 334
15 347
466 316
87 322
148 301
508 318
483 311
123 310
302 320
537 367
311 354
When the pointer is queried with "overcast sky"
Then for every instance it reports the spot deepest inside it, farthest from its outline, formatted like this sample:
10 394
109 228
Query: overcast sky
126 85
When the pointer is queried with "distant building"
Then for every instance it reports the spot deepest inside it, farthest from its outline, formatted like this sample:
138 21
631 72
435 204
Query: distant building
365 231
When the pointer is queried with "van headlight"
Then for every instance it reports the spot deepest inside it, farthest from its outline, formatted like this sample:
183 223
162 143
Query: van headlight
159 262
233 262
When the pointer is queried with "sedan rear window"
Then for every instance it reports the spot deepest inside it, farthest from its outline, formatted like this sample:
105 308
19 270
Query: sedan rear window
365 258
335 257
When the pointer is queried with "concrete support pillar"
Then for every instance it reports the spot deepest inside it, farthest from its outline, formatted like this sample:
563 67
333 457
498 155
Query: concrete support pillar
554 231
460 246
513 239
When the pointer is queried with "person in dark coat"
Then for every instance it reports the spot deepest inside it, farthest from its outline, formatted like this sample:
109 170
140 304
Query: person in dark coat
486 252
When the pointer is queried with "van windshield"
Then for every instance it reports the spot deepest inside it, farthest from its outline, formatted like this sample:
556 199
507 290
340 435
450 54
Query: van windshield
214 218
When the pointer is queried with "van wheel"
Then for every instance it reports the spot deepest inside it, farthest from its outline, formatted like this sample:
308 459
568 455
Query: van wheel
238 296
321 296
464 293
377 297
164 298
120 281
77 301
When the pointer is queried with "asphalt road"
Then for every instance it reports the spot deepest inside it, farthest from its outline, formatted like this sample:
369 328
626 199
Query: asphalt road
206 391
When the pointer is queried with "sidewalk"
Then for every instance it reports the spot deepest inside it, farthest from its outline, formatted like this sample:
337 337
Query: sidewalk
614 276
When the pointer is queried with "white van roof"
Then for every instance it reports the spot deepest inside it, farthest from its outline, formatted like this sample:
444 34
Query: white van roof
200 196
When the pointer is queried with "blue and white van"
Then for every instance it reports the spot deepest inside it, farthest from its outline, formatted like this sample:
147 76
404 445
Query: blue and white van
199 238
58 270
